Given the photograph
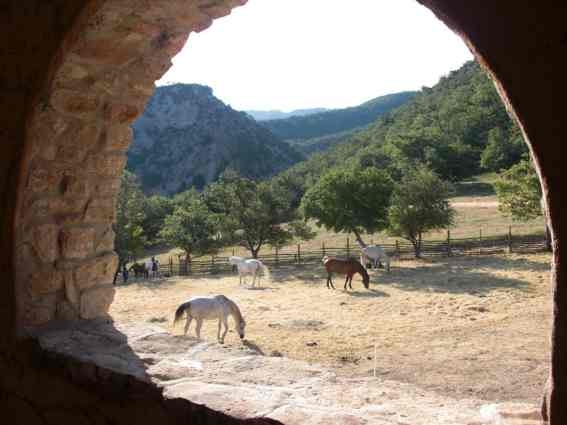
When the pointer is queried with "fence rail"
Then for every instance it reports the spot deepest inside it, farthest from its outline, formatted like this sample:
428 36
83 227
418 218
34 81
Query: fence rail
400 250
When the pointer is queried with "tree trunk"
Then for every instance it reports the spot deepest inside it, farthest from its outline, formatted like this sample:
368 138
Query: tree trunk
359 239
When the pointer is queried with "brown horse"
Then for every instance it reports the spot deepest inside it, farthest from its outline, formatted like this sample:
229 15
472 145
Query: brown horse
348 267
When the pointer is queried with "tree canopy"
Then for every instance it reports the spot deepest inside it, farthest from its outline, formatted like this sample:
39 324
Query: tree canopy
419 204
129 237
350 200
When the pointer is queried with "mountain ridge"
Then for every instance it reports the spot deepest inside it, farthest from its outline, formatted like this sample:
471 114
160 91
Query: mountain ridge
186 137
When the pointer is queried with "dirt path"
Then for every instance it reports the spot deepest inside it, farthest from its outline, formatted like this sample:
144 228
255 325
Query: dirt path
466 327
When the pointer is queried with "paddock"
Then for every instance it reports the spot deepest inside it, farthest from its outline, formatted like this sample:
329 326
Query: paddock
468 327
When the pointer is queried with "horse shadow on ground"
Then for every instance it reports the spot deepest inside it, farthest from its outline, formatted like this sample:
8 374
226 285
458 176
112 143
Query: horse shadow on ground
448 278
368 293
261 288
252 346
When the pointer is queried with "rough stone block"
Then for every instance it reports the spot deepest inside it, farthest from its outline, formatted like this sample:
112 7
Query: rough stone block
81 104
44 242
77 243
39 310
95 302
108 165
100 211
99 270
65 311
46 281
118 137
121 113
104 241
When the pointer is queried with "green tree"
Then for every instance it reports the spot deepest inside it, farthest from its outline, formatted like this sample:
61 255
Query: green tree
156 209
519 194
420 204
129 236
350 201
254 213
193 228
502 149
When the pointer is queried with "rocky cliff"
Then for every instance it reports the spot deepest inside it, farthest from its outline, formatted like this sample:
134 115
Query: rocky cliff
187 137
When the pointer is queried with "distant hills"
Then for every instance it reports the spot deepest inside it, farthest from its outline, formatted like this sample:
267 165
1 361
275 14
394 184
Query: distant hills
275 114
331 122
186 137
459 128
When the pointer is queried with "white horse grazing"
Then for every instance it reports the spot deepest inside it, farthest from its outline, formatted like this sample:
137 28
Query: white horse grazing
374 254
249 267
217 307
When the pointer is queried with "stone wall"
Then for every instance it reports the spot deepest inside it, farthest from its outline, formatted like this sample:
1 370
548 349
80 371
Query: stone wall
75 151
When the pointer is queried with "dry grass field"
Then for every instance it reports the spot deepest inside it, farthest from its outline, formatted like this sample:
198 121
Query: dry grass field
466 327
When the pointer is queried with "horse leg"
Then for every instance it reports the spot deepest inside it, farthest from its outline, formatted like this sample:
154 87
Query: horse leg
218 333
198 328
225 323
187 324
350 282
346 281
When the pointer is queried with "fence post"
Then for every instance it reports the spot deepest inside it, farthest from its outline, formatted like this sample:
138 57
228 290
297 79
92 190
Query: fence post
347 247
298 254
397 249
170 266
212 263
233 252
277 256
509 239
323 248
480 241
449 243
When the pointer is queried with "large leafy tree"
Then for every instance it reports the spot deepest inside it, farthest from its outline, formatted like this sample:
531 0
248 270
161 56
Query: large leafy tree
192 227
129 237
519 194
420 204
156 209
350 201
254 212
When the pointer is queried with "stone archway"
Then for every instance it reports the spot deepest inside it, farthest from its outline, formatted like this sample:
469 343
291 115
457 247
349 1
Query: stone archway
72 94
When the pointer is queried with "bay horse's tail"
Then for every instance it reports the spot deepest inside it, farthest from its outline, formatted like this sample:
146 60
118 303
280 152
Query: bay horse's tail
180 310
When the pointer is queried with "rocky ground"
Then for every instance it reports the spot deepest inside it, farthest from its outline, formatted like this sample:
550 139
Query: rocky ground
241 381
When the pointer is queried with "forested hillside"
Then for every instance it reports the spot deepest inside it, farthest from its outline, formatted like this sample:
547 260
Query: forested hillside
458 128
336 120
186 137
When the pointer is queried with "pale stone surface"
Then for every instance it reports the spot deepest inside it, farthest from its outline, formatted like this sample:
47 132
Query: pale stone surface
77 243
95 301
238 380
46 281
44 241
96 270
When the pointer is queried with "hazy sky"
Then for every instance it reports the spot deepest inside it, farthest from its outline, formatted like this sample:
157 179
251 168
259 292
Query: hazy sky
290 54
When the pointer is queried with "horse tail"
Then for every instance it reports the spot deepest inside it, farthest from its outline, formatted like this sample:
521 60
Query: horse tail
266 272
180 310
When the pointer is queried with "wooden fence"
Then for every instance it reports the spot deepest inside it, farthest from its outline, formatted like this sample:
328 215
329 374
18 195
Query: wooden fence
400 250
